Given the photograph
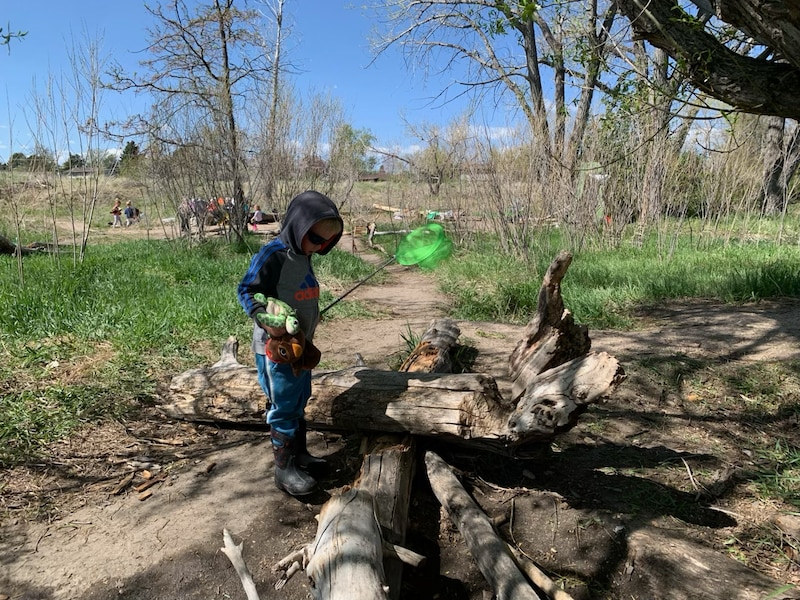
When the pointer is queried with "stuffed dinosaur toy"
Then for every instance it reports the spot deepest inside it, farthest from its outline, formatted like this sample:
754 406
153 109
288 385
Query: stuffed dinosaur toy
292 347
279 314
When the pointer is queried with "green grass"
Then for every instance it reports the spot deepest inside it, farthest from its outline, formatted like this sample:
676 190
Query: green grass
81 343
779 474
601 288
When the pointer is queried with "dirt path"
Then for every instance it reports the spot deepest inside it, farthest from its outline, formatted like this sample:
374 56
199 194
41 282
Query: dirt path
577 509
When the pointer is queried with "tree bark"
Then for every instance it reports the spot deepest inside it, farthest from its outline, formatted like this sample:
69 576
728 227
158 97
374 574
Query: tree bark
750 84
773 193
346 558
433 352
387 474
551 338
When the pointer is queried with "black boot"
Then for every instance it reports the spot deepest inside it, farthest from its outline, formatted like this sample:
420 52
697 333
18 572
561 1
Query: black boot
288 477
305 460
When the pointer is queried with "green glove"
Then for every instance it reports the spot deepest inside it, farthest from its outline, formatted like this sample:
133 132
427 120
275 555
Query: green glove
279 314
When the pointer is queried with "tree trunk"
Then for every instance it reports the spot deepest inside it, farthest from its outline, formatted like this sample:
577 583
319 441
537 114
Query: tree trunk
773 190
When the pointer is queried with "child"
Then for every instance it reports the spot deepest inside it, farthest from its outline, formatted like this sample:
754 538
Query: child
130 214
117 211
282 269
257 217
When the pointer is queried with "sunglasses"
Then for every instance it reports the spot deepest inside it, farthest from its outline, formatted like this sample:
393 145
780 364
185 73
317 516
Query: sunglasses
316 239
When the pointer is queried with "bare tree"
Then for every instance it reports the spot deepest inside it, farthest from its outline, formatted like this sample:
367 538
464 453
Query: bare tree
66 118
348 157
206 60
510 48
273 116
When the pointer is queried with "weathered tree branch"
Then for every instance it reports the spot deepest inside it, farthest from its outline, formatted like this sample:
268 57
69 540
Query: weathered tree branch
234 553
753 85
490 552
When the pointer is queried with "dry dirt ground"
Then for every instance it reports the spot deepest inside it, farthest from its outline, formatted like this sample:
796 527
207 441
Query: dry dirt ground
658 474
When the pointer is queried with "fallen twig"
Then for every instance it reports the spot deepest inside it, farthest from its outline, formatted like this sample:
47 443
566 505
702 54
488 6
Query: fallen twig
234 553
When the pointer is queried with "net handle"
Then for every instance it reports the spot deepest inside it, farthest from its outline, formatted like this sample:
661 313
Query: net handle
357 285
375 272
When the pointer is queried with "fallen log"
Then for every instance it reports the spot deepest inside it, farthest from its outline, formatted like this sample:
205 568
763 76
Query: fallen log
490 552
358 552
554 379
346 558
387 472
433 353
456 407
12 249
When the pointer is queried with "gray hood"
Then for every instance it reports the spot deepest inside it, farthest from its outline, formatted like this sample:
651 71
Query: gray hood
303 212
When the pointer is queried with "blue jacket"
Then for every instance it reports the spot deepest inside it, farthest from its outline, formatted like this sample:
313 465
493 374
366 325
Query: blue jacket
281 270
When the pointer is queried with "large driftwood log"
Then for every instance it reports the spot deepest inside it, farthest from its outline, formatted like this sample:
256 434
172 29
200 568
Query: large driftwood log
555 379
464 406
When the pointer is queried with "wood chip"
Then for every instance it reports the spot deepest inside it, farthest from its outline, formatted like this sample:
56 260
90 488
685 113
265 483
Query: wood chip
126 481
150 483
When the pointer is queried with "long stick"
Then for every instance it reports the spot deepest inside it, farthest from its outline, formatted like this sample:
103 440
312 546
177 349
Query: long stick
367 278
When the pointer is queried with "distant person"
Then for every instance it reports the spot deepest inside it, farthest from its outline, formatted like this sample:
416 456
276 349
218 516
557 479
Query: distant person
117 212
282 270
131 214
258 216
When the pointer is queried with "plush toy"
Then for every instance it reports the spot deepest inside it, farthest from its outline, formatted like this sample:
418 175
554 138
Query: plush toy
292 347
279 314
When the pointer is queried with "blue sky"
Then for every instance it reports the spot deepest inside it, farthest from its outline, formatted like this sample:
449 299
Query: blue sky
328 43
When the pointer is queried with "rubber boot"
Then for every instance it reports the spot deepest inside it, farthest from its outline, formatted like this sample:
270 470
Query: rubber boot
305 460
288 477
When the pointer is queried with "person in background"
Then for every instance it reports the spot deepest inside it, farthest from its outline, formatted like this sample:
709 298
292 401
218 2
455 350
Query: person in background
130 214
282 269
257 217
117 212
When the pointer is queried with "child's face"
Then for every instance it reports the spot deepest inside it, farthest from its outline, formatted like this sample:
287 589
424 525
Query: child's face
318 237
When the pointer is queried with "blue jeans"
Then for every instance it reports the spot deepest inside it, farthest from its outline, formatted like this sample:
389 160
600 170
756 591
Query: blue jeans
287 395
